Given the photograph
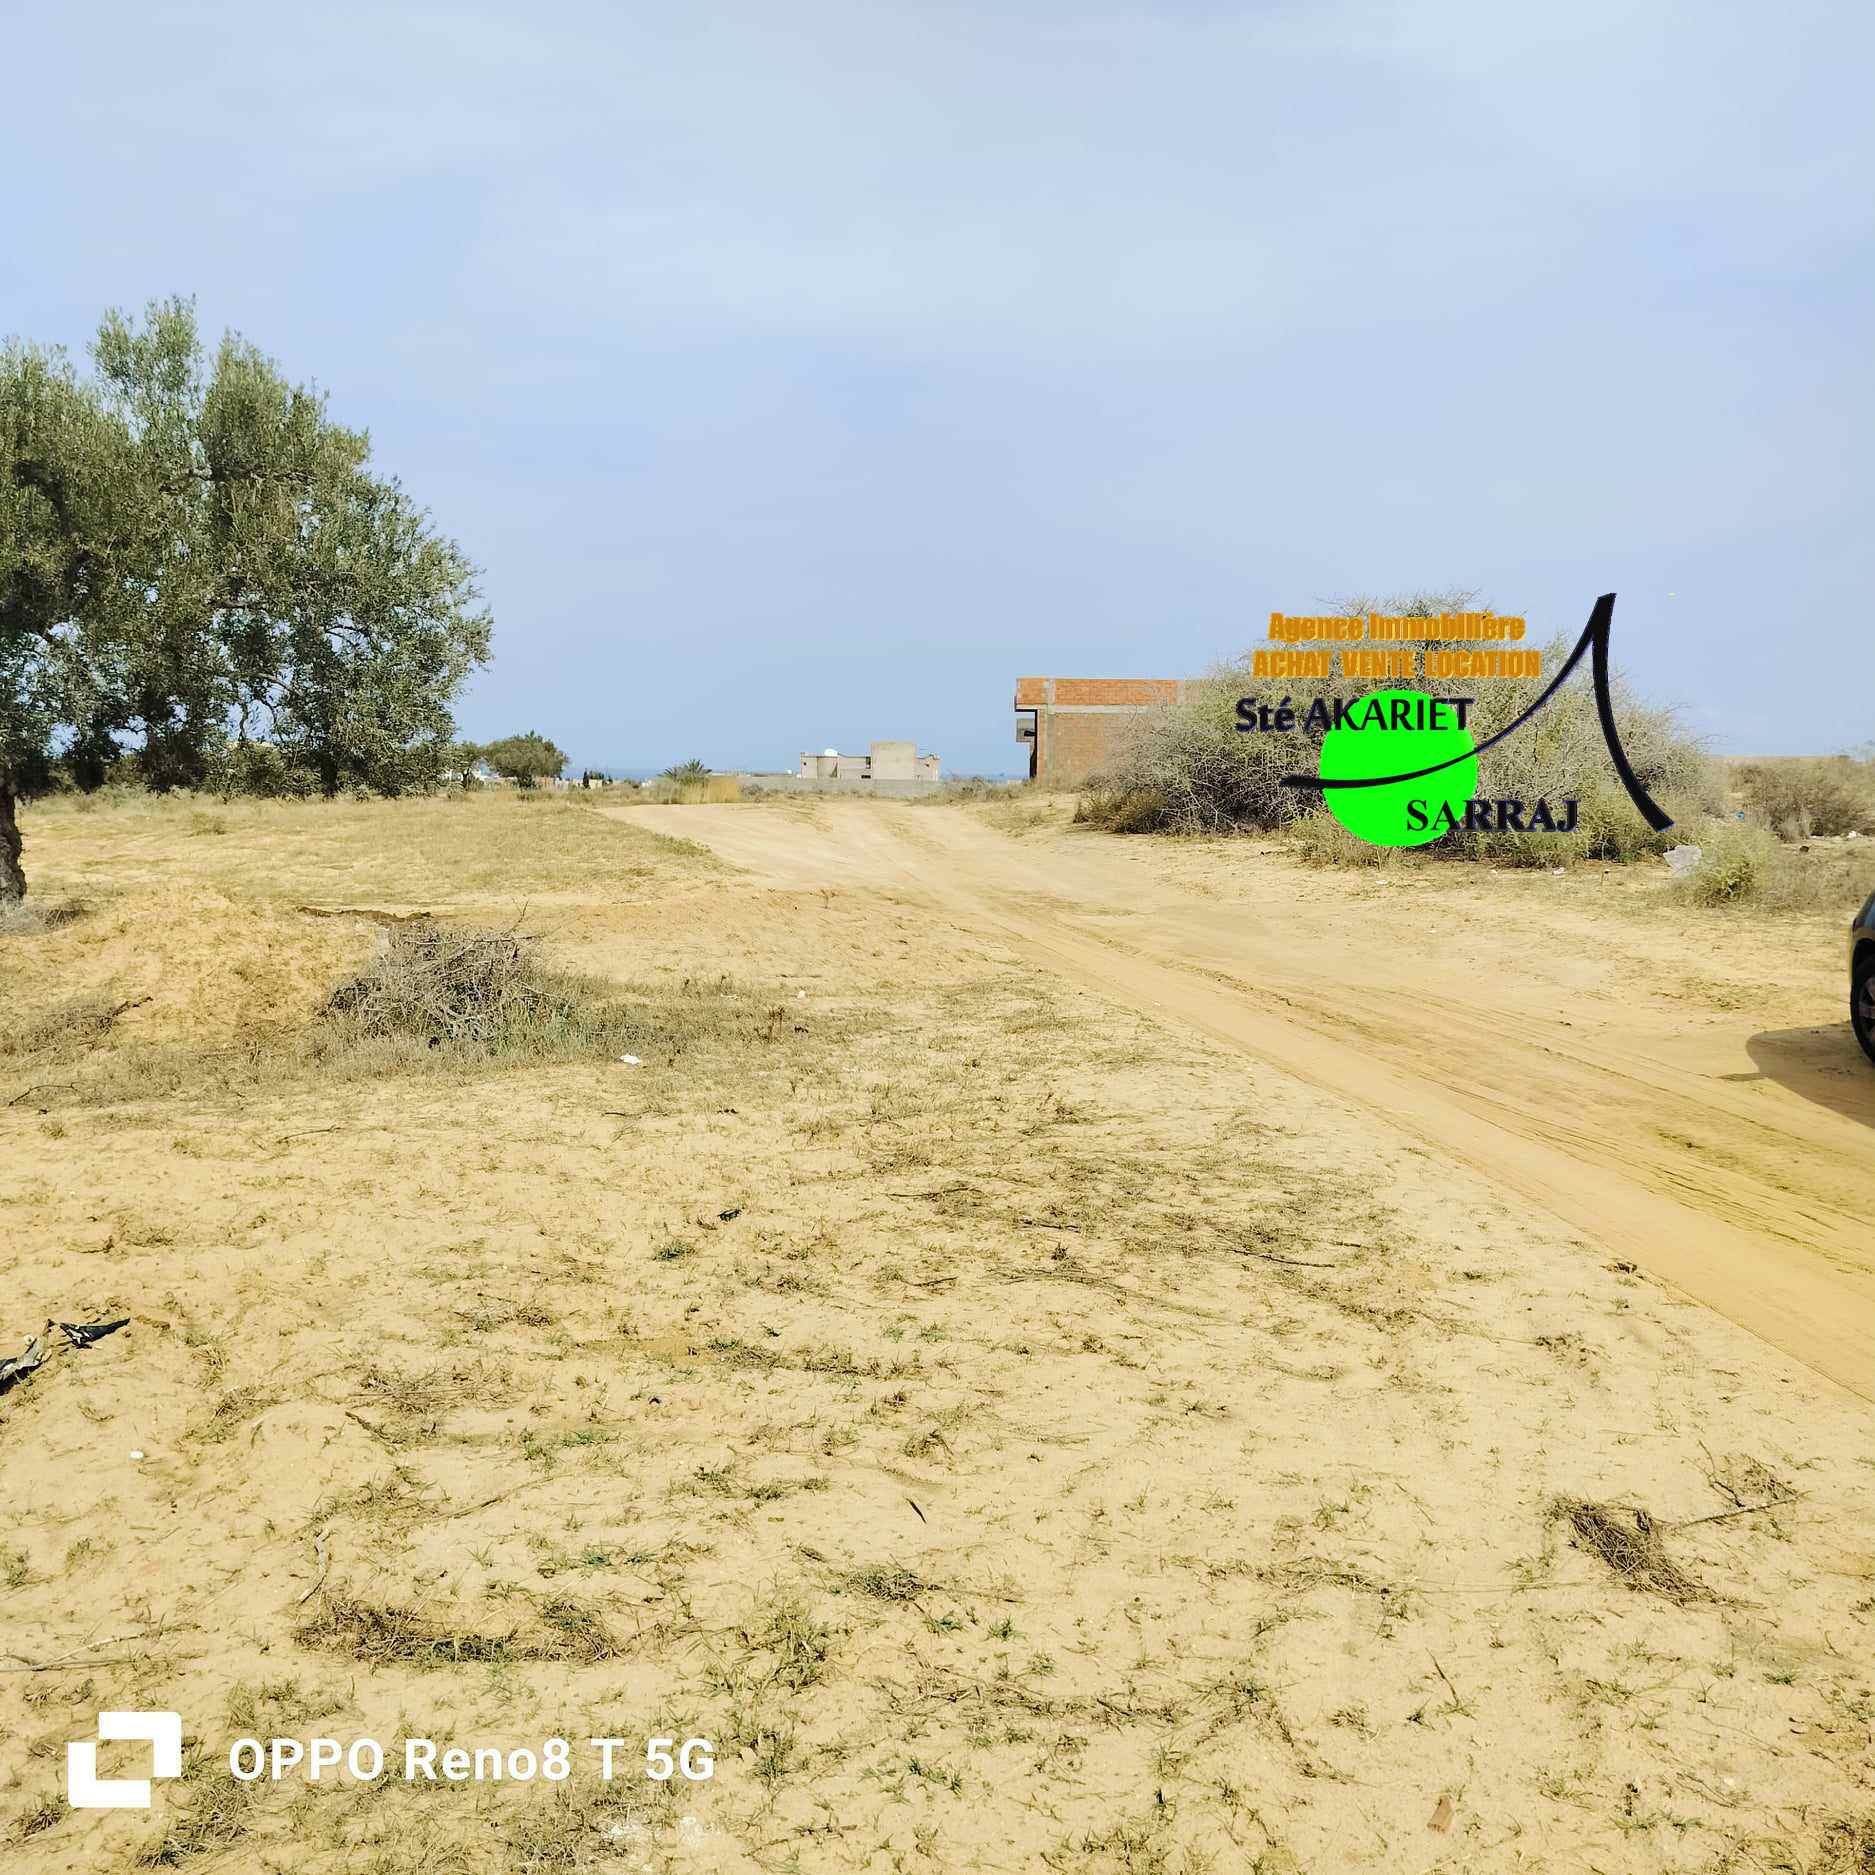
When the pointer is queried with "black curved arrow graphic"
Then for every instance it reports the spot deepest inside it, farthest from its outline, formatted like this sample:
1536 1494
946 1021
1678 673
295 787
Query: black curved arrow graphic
1594 637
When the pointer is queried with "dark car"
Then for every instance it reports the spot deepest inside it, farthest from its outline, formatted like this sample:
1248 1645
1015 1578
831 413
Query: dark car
1862 977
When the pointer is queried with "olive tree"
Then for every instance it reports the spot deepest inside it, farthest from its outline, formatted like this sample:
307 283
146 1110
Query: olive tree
460 761
525 759
193 552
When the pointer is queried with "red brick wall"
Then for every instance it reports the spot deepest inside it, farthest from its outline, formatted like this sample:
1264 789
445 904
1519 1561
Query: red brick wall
1082 723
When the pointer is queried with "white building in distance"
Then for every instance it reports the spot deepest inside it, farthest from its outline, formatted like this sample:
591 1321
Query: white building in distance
887 761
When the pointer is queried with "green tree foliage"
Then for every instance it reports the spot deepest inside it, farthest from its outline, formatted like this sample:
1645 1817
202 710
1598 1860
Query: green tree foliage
460 761
196 562
524 759
692 770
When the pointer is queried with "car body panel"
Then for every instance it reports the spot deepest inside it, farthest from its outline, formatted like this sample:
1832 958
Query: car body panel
1862 996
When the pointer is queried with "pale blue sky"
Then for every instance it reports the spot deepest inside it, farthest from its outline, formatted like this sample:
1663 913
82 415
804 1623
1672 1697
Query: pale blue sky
802 373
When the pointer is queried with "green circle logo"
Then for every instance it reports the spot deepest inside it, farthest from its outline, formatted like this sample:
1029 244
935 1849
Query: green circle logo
1397 732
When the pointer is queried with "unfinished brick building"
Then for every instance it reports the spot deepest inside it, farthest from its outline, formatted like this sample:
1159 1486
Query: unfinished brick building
1075 726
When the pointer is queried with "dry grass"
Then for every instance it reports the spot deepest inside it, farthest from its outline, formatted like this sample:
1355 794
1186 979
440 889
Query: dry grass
1628 1540
554 1628
33 917
959 789
213 1815
887 1582
794 1645
453 854
433 1001
1847 1847
1129 805
709 790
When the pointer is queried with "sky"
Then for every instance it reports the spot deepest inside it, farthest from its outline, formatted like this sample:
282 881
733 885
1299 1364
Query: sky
805 373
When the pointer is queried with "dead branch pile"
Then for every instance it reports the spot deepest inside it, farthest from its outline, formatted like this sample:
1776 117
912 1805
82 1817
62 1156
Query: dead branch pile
469 987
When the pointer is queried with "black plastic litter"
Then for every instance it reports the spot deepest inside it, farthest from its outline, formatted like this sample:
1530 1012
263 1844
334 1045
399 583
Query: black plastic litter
30 1358
18 1366
82 1334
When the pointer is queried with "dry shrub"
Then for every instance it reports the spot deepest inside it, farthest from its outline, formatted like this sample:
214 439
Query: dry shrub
1608 826
407 1406
1735 867
1321 840
1125 808
65 1032
1747 866
1628 1541
1809 799
481 992
1189 769
887 1582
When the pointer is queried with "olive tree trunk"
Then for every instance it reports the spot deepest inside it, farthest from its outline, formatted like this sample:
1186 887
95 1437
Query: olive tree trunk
12 879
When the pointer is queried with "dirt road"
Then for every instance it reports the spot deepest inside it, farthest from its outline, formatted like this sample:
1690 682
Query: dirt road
1545 1042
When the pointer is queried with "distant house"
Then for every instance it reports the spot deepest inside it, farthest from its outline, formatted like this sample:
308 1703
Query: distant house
886 761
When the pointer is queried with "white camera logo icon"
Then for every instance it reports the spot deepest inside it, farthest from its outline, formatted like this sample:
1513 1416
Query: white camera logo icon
86 1790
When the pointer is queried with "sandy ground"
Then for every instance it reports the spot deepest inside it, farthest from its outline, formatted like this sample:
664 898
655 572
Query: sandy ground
1687 1096
1079 1356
